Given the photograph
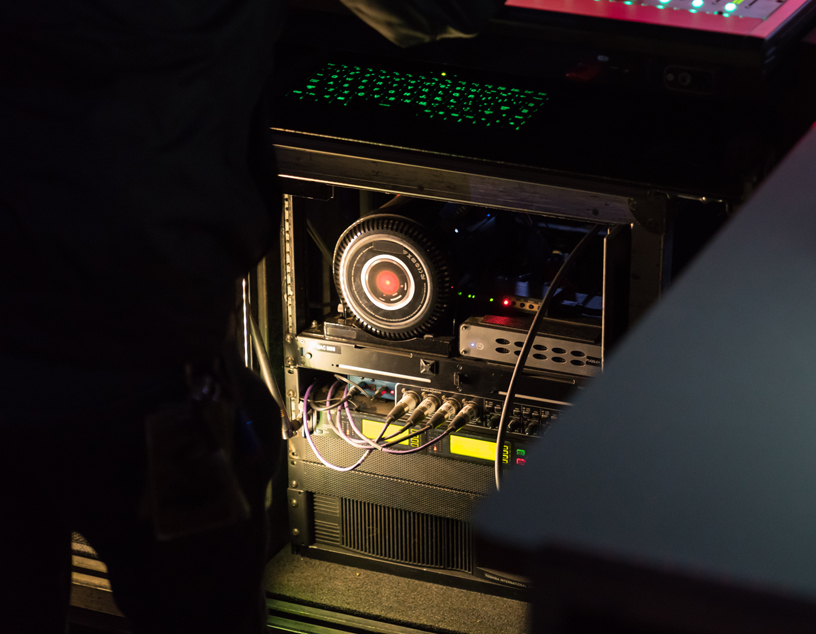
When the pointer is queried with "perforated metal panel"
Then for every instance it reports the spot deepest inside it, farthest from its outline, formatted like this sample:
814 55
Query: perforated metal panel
327 515
396 535
386 491
421 468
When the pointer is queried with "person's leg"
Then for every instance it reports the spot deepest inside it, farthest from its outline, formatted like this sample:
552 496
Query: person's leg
34 537
207 582
64 471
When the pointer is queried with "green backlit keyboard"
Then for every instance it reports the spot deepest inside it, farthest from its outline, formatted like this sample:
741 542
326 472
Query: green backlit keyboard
439 95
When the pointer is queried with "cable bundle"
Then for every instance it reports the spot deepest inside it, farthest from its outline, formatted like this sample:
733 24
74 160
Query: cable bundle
380 443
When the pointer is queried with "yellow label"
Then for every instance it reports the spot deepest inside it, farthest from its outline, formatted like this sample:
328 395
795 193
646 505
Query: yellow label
472 447
372 429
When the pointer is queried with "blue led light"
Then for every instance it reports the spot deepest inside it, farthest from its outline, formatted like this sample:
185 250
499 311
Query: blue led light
473 345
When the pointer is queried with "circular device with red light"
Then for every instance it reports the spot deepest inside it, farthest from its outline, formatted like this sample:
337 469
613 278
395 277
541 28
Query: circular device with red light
387 282
392 276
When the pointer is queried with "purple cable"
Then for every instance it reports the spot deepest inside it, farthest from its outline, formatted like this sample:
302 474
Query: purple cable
394 451
338 428
308 436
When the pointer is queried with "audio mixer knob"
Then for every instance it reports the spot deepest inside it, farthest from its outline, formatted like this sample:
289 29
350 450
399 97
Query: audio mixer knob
514 425
532 428
493 421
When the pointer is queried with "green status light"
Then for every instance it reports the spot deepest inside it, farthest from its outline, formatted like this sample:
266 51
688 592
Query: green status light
697 3
440 97
730 7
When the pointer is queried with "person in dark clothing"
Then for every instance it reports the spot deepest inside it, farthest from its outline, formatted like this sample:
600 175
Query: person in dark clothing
134 191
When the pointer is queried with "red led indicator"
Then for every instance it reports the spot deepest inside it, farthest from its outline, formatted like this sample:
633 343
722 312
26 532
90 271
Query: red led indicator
387 282
392 392
521 461
506 302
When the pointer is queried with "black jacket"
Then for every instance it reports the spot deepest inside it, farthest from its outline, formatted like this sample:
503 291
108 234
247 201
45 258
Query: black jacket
134 186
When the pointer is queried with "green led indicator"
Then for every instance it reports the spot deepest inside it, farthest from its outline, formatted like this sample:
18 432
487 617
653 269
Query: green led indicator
697 3
491 299
521 452
730 7
449 99
460 292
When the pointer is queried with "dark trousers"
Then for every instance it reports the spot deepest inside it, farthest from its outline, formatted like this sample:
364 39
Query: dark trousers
72 458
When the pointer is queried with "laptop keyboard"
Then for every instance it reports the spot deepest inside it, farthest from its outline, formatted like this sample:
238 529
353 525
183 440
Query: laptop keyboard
440 96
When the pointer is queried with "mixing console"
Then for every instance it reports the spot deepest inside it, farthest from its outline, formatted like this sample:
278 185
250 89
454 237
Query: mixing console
728 8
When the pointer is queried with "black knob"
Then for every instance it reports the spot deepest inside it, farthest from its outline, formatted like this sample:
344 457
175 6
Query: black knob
493 421
532 428
514 424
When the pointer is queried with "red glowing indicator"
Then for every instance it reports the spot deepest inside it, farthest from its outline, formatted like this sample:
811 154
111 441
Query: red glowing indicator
387 282
506 302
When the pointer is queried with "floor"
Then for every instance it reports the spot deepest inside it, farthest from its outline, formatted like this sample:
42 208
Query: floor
391 599
308 596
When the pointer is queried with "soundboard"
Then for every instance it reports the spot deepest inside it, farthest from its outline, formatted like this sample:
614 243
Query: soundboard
762 19
725 50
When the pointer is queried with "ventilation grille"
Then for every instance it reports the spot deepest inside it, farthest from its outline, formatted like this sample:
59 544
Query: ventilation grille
406 537
327 519
549 352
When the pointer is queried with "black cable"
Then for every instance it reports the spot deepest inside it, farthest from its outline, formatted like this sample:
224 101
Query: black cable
288 430
528 344
399 431
345 379
404 438
447 432
325 408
